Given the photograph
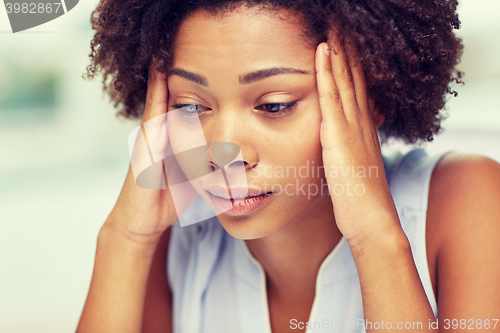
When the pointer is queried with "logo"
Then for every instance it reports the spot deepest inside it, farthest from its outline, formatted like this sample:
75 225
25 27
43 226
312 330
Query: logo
26 14
170 151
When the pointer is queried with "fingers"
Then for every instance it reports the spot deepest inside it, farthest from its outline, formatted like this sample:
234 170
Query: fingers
157 94
343 76
329 97
358 76
154 124
150 140
342 85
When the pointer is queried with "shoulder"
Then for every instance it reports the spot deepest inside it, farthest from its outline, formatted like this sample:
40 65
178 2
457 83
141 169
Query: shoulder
464 188
463 233
456 170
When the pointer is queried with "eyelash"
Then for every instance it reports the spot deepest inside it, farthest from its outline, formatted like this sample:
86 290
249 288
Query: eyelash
276 114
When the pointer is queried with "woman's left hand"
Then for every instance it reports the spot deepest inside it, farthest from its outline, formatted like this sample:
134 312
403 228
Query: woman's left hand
354 169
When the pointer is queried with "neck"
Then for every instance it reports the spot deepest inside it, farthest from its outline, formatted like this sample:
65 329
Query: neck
291 257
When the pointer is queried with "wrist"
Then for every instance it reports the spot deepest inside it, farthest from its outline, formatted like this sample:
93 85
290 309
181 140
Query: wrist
391 241
136 228
113 232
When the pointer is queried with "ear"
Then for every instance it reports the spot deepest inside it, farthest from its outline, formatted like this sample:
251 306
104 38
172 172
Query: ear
378 116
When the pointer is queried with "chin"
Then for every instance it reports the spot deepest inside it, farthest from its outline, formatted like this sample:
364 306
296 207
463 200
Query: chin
248 227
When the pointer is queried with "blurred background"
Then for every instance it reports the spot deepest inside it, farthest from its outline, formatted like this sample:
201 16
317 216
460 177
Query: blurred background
64 156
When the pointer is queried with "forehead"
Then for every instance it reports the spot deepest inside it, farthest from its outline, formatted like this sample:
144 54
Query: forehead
245 38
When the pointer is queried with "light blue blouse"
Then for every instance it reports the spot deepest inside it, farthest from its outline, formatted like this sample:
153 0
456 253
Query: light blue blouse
218 286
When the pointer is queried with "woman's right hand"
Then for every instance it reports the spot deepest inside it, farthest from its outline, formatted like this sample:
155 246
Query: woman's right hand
143 214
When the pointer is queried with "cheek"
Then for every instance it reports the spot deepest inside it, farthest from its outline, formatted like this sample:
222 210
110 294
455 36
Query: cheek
184 134
188 144
307 152
306 138
299 148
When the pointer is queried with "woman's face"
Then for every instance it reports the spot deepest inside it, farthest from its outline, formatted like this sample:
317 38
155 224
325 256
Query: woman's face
251 75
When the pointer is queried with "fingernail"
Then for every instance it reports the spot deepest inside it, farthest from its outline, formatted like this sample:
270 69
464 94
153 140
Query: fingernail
326 49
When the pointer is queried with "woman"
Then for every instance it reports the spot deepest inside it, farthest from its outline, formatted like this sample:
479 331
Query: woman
294 84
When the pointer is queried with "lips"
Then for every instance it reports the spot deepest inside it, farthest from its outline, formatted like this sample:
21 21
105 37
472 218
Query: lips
235 193
244 201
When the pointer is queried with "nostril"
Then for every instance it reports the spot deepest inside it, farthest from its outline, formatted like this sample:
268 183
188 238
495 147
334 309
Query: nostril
223 153
250 165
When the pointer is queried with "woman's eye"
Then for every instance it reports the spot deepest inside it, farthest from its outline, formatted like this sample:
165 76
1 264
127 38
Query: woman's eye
190 110
270 109
275 108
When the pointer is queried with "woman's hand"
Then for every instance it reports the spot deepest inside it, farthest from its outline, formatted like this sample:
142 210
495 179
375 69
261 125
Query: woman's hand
129 272
143 214
354 169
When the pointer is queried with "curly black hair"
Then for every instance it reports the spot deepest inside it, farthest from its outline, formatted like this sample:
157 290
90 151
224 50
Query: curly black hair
408 50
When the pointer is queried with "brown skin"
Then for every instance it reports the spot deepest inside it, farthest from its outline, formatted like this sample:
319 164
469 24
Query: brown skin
130 250
211 48
334 124
463 233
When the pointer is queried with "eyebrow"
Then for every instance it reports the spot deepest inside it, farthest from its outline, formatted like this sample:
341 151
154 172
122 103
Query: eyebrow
244 79
265 73
196 78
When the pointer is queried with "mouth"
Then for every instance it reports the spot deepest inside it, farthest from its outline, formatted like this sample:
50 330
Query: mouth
235 202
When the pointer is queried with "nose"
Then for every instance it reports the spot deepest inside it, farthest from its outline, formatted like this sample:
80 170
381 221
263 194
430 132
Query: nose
222 154
230 135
